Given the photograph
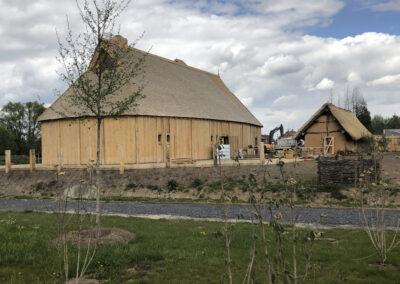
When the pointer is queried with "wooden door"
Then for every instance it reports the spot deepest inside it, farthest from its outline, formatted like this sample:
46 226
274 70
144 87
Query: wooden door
329 145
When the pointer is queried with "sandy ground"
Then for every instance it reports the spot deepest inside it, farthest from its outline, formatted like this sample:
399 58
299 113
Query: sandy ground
153 183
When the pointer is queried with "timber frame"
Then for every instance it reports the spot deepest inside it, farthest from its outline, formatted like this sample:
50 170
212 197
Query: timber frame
331 130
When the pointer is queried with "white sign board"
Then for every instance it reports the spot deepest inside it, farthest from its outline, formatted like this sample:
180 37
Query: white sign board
225 152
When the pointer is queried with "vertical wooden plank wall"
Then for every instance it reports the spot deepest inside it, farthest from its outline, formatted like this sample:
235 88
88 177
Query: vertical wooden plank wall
50 142
138 138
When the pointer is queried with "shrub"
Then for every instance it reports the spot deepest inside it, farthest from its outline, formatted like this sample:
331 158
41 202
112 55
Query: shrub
338 195
131 186
196 183
172 185
153 187
216 185
39 185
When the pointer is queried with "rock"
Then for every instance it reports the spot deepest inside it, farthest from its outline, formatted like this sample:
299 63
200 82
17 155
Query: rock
77 190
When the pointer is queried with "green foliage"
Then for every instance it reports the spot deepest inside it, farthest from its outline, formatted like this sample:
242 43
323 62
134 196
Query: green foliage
131 186
19 128
215 185
363 113
379 123
154 187
39 186
179 251
7 140
172 185
196 183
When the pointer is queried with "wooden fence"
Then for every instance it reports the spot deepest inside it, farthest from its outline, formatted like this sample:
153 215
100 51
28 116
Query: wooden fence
347 169
393 142
122 165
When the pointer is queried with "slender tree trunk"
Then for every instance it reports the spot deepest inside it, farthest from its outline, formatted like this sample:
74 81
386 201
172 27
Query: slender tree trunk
267 261
294 240
98 177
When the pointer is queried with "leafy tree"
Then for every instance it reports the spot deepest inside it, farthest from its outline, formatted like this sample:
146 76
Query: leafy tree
32 112
393 122
20 119
96 67
356 103
7 140
362 113
378 123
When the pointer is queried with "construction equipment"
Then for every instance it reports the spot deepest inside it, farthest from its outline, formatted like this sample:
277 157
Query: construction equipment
272 132
282 143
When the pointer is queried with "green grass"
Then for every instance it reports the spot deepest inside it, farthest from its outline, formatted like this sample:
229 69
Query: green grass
176 251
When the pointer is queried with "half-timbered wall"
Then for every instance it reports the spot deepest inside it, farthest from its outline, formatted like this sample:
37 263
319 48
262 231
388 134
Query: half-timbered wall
327 126
136 140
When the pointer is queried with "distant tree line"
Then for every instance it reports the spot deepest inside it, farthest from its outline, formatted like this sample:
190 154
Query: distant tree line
19 127
378 123
354 101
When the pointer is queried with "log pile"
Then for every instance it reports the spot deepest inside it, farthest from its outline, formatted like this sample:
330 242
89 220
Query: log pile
347 169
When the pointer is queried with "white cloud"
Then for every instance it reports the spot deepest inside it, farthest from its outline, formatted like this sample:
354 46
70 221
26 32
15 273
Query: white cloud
280 65
257 46
285 100
389 79
248 101
353 77
387 6
325 84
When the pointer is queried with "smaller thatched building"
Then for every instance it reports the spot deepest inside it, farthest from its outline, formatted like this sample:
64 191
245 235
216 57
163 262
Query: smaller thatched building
332 129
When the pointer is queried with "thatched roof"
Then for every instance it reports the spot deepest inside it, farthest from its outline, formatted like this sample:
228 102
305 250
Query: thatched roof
172 89
347 120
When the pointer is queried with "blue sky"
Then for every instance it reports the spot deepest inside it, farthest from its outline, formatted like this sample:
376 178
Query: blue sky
355 18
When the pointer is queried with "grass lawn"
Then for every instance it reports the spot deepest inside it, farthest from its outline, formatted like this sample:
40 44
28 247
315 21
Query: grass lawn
177 251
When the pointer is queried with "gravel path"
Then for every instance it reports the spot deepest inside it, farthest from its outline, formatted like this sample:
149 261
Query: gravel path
323 216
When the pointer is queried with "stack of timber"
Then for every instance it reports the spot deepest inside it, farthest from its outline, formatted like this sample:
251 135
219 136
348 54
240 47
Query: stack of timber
348 169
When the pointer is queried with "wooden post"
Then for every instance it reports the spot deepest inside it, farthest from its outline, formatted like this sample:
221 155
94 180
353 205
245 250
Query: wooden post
32 160
60 160
261 152
8 161
121 161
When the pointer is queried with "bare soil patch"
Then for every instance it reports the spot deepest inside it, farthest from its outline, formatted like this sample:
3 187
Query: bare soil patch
107 236
83 281
386 266
191 183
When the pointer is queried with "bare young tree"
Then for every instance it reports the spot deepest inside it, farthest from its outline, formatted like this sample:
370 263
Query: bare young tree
98 66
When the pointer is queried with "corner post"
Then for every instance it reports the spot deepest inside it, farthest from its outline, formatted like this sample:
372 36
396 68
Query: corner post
8 161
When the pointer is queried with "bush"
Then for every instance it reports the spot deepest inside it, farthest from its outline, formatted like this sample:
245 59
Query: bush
216 185
338 195
39 185
154 187
131 186
196 183
172 185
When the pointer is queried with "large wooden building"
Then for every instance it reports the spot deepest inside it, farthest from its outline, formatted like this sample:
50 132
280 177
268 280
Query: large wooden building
184 111
332 129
